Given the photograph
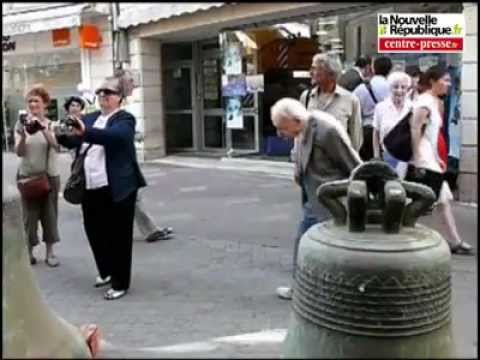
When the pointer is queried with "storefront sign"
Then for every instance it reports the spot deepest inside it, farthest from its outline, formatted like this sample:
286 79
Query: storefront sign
420 33
61 37
8 44
234 113
90 37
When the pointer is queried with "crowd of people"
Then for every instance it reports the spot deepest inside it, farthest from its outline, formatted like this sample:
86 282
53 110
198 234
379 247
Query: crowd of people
339 122
366 102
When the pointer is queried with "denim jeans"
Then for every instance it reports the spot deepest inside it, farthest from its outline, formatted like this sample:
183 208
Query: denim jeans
308 220
399 166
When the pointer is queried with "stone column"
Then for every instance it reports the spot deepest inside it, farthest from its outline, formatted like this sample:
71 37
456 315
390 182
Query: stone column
468 178
146 101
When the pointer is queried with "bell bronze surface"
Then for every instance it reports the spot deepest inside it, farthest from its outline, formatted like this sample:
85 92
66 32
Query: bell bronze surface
30 328
371 283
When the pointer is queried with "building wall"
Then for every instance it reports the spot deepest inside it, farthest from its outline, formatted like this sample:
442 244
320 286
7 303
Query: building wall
468 178
98 63
145 102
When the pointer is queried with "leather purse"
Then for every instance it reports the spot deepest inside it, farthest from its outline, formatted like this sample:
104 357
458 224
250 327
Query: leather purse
34 187
76 183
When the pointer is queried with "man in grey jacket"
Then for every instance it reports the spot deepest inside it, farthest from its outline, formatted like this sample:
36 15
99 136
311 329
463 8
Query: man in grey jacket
323 153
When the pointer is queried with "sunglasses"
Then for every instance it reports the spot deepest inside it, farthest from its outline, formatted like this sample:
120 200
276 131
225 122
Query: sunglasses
106 92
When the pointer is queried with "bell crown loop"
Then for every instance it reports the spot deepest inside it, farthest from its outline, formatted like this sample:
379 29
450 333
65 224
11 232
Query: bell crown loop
375 195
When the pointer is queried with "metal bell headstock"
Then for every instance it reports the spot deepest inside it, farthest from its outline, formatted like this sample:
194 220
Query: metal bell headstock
375 195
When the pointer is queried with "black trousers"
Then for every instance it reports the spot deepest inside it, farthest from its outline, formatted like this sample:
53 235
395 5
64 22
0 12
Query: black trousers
109 228
366 150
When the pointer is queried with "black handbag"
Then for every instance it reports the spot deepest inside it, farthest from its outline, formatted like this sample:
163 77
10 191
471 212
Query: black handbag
75 186
398 141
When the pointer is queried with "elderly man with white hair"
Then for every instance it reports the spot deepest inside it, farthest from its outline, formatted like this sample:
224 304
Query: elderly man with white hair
333 99
323 153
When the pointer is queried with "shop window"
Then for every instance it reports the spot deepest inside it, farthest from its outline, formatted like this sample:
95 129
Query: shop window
59 71
178 91
52 110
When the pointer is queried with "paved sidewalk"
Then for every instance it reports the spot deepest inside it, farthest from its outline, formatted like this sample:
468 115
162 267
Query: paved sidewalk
210 292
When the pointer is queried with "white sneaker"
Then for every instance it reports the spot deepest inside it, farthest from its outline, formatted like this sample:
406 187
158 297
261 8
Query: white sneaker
99 281
284 292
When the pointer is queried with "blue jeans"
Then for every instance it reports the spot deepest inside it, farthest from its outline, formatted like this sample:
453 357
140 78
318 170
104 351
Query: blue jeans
390 160
308 220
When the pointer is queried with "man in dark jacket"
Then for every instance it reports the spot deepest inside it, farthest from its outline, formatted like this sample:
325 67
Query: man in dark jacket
324 153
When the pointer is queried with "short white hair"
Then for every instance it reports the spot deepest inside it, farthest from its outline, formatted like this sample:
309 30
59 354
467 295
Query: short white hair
288 108
399 77
330 62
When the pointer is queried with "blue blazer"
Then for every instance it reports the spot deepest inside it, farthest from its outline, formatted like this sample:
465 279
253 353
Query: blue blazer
123 172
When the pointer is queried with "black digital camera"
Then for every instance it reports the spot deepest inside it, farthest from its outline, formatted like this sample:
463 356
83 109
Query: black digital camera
70 122
32 126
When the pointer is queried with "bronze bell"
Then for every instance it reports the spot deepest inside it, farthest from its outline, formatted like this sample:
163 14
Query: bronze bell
371 283
30 328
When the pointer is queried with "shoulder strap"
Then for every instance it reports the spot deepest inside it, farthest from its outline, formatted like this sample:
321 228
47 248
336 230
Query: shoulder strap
370 90
307 97
86 150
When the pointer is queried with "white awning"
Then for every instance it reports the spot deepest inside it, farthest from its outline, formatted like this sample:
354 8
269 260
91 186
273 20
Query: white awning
42 19
132 14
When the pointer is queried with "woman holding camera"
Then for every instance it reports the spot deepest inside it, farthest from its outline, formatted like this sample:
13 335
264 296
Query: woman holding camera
37 147
112 177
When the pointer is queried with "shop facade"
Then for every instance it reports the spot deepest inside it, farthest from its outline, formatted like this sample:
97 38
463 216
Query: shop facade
60 46
188 94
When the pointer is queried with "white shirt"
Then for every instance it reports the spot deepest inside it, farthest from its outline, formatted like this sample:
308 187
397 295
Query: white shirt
380 89
428 152
95 164
386 116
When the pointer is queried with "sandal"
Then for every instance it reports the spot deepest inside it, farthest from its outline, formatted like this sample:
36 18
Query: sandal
52 261
112 294
461 248
162 234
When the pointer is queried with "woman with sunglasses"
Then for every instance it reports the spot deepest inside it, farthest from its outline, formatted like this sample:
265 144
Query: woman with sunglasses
113 178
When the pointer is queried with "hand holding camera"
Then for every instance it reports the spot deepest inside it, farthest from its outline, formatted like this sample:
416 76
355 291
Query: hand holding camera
31 123
70 125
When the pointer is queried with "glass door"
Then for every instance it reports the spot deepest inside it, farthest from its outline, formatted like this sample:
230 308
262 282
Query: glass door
212 127
240 100
179 115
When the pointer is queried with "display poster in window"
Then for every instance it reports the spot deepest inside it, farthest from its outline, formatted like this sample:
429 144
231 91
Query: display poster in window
398 65
255 83
210 79
234 113
234 85
427 61
233 59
